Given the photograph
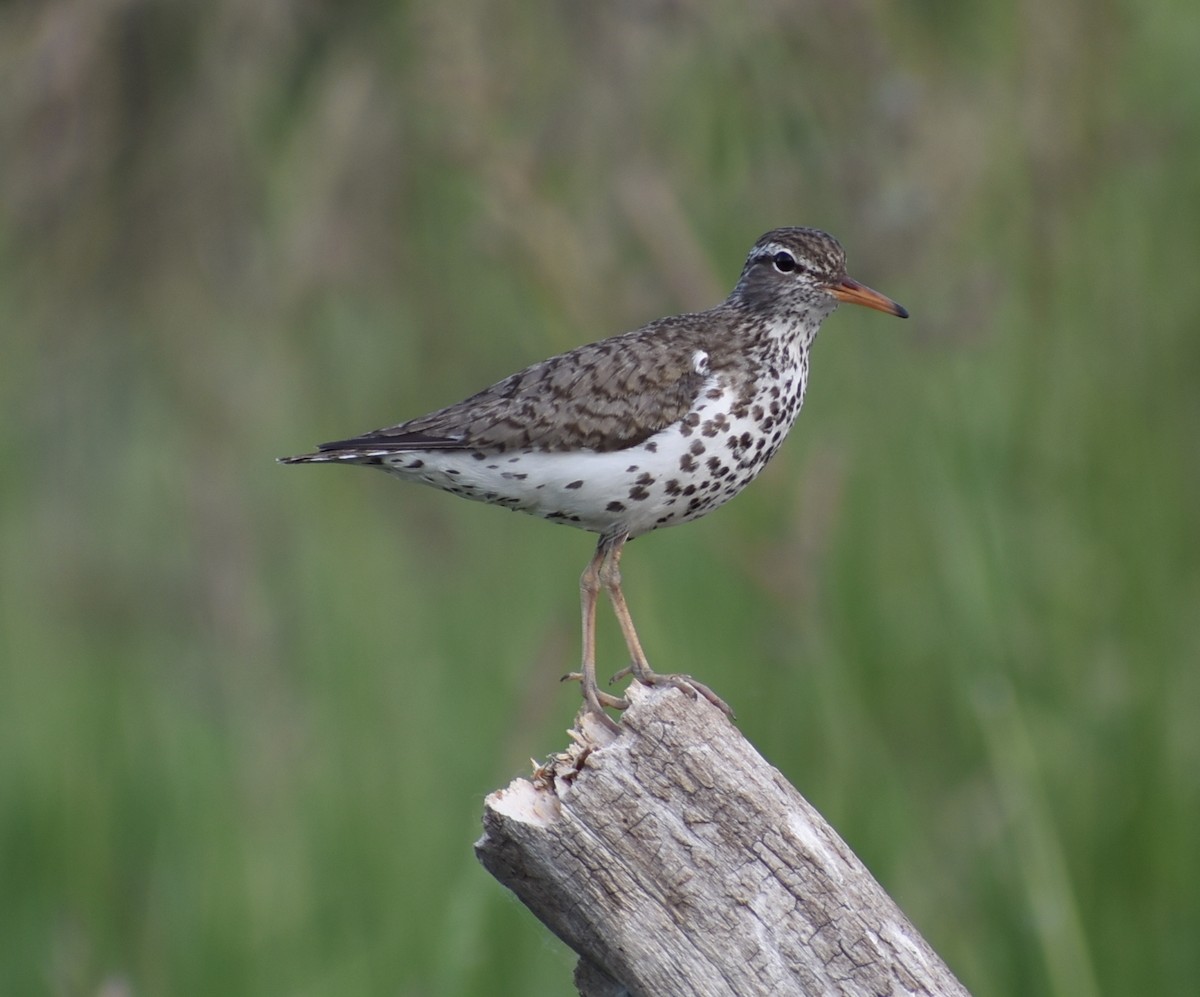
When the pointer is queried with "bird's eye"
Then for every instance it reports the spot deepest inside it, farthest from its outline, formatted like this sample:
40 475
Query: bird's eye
784 262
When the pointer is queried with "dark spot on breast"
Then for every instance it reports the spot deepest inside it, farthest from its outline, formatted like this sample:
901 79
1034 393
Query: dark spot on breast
638 493
697 448
479 455
615 507
690 490
687 463
756 413
672 486
631 468
574 484
645 478
713 393
413 465
651 447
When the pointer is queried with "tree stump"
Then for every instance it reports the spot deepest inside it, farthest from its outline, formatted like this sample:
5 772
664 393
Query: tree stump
675 860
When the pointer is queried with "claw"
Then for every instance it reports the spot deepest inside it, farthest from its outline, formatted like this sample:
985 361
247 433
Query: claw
623 673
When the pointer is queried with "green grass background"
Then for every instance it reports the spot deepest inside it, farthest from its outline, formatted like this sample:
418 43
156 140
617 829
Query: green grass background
248 714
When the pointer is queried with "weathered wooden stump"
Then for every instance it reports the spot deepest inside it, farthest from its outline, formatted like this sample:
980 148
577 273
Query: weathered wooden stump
675 860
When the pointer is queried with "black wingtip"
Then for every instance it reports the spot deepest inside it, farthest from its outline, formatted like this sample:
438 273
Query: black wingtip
383 440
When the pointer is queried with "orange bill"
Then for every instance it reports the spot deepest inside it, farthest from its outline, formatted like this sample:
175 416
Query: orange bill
854 293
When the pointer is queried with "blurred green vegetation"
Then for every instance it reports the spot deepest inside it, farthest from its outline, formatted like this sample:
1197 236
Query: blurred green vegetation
248 714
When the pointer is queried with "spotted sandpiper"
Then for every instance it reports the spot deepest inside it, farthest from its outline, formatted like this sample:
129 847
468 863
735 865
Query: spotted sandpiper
653 428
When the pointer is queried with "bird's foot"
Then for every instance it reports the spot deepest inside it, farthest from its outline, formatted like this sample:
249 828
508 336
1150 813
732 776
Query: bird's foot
684 683
595 700
604 698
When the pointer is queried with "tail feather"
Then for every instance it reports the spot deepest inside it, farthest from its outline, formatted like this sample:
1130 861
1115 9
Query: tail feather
335 457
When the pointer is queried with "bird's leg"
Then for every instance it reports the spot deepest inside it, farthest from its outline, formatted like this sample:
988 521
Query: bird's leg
609 571
593 697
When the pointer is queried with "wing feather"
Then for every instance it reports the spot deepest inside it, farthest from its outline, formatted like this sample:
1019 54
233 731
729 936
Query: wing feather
604 396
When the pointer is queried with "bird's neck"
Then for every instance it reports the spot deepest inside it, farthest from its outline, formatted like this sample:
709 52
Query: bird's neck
789 332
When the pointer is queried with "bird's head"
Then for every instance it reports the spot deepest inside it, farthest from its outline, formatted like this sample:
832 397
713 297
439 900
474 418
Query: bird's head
802 272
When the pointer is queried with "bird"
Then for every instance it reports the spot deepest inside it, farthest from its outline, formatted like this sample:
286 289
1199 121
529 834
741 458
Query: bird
636 432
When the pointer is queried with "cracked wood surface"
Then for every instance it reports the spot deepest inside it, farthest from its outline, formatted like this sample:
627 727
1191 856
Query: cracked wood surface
675 860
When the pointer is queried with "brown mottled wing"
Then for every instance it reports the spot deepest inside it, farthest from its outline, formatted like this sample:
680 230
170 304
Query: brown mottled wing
604 396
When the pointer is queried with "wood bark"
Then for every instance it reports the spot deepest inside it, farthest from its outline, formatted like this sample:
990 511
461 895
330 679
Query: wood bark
675 860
